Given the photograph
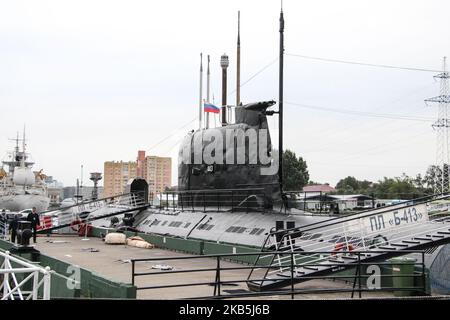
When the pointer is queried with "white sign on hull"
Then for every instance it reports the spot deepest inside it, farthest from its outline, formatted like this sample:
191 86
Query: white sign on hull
388 220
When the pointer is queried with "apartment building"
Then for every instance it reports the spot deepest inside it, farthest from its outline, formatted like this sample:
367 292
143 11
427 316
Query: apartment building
116 176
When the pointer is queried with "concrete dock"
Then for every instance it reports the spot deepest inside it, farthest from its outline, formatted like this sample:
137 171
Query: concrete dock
112 261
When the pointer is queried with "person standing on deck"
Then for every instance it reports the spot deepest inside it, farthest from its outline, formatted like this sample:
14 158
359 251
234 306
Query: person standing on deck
33 217
13 228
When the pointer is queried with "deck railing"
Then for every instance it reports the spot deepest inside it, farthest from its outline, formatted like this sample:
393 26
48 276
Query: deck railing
218 276
16 276
246 199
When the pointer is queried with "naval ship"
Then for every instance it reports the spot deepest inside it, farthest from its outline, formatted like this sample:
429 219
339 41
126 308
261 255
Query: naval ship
20 187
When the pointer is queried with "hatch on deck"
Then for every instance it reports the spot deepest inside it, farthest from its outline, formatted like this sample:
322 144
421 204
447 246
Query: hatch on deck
138 185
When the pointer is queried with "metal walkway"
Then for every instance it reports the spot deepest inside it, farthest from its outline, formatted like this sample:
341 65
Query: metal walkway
373 235
83 213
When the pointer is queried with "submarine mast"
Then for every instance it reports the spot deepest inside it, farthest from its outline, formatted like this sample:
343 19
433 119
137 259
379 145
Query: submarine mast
224 64
238 62
280 103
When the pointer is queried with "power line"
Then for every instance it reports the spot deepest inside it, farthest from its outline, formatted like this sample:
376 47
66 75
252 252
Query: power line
178 141
348 131
255 75
172 134
361 113
365 165
377 149
351 127
343 161
361 63
333 139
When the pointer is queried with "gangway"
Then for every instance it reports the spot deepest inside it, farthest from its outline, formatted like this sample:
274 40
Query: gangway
344 242
86 212
131 198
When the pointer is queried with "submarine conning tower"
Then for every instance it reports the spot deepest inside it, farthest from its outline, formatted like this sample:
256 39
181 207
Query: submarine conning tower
235 159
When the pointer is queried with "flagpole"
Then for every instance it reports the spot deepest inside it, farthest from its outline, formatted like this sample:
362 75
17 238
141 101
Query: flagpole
238 63
201 94
207 93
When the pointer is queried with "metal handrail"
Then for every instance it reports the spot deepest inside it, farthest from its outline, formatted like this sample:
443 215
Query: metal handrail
338 221
90 219
283 240
400 229
356 234
88 203
324 194
9 275
363 214
212 199
67 216
218 282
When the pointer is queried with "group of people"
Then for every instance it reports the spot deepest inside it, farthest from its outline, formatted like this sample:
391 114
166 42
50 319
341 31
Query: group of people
33 218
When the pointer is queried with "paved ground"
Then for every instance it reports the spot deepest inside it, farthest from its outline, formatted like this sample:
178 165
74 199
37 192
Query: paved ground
110 262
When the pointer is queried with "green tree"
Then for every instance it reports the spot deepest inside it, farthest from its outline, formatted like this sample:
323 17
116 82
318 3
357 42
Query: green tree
403 187
433 172
350 185
295 171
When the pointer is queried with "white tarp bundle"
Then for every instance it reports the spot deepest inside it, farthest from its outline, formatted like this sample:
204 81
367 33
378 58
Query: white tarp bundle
115 238
139 243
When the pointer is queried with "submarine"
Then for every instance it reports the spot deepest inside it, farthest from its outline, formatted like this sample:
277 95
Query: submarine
230 191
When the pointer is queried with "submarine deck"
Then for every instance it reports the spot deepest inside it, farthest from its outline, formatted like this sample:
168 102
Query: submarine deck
109 261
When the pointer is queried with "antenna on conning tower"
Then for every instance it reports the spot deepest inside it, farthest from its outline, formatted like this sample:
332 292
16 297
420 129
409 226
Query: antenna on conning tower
280 102
201 94
238 62
224 64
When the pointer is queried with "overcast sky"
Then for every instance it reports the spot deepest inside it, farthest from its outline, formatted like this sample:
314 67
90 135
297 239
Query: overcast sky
98 80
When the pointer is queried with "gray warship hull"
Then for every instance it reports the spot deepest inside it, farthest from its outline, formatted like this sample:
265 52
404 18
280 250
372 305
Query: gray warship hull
26 201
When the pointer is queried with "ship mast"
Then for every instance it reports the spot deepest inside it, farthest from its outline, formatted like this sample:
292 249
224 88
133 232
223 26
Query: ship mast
22 160
16 155
17 144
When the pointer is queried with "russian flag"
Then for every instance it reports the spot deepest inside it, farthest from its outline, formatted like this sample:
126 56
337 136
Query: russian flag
208 107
